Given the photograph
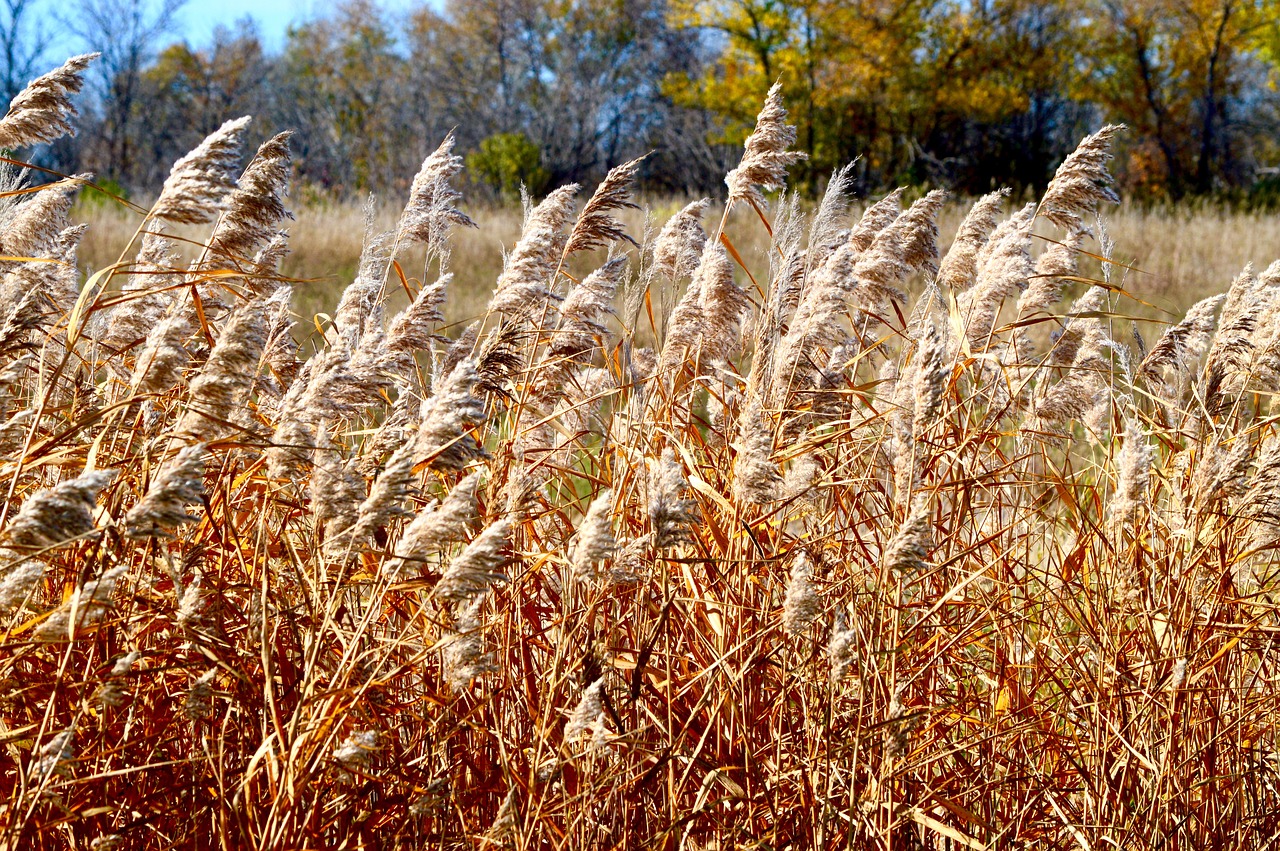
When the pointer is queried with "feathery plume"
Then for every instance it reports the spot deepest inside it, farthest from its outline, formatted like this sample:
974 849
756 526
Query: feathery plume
524 286
149 300
179 484
677 249
478 566
387 496
59 514
1179 346
23 316
1233 346
35 227
1083 335
583 315
785 293
54 757
1081 183
11 379
410 329
87 606
464 655
815 325
335 382
292 443
158 368
595 227
829 229
42 112
432 207
192 602
959 268
436 526
909 244
842 646
874 219
1059 261
765 157
1134 463
505 829
928 379
199 183
684 330
111 693
360 307
255 208
443 440
356 750
802 604
279 351
1083 386
909 547
266 264
1220 473
336 494
220 391
582 721
756 480
21 579
722 304
594 541
670 513
1004 264
199 700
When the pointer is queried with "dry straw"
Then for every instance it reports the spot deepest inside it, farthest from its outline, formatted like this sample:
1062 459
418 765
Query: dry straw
897 550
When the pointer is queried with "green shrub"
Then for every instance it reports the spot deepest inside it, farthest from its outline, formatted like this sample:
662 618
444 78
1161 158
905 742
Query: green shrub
507 161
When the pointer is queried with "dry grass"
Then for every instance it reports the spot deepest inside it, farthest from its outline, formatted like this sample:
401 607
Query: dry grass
828 565
1178 255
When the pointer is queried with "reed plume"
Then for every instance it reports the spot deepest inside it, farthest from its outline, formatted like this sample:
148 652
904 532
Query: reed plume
255 207
765 155
199 183
432 206
1081 183
60 514
959 269
677 250
44 110
595 226
594 542
179 484
478 566
802 605
524 288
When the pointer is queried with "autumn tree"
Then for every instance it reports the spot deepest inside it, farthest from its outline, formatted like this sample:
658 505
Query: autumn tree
907 85
1176 71
580 78
127 33
189 91
342 83
23 44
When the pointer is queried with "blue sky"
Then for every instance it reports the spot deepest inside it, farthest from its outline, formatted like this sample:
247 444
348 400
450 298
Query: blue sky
199 18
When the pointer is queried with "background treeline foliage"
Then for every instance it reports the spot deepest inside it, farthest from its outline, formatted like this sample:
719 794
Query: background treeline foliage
967 94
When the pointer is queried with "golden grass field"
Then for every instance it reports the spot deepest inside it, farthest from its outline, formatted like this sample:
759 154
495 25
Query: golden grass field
781 527
1178 254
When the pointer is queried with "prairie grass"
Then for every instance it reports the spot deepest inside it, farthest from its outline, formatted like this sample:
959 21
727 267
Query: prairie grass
1176 254
832 533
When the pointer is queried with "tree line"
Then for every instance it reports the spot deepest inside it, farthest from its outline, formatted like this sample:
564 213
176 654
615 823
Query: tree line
966 94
